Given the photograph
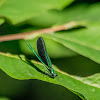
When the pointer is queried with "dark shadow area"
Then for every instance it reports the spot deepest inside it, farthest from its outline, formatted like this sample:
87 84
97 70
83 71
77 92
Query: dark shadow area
32 90
73 29
48 91
77 65
7 28
13 88
86 1
10 46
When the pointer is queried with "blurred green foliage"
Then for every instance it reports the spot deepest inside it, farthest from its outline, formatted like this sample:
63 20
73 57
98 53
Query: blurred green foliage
72 51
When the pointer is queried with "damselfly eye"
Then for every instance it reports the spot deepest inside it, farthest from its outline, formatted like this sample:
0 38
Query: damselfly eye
54 75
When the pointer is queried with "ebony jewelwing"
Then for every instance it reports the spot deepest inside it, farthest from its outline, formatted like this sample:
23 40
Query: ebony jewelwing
43 56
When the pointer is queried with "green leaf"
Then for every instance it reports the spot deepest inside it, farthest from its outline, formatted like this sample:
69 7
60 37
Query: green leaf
83 13
85 42
18 11
21 68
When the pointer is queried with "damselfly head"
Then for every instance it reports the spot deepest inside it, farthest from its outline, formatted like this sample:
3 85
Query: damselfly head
54 75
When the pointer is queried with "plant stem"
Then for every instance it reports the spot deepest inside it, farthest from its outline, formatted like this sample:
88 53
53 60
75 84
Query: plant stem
41 31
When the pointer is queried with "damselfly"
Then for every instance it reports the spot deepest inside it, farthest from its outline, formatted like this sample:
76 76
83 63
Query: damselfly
43 56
